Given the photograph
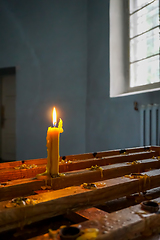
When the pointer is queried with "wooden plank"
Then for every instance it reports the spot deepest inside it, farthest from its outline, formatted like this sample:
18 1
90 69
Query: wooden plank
155 148
129 223
153 237
125 224
92 213
112 206
12 165
112 153
23 187
107 160
131 200
73 198
13 174
85 214
42 161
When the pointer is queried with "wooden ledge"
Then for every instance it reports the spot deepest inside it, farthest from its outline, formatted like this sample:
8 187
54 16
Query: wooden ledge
8 173
23 187
73 198
125 224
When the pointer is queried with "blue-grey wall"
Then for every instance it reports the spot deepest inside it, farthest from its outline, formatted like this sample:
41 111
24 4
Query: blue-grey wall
111 122
47 42
60 49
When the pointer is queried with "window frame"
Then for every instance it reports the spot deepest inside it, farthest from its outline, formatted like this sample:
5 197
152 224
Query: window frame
119 53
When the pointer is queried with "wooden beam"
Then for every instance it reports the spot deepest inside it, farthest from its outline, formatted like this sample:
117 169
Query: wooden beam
28 186
112 206
23 187
124 224
134 199
129 223
8 172
43 161
73 198
85 156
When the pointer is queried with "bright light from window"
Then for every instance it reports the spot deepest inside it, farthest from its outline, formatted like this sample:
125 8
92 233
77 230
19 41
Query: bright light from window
144 42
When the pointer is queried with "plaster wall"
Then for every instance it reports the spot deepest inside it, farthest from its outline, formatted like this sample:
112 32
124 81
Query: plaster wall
112 123
47 43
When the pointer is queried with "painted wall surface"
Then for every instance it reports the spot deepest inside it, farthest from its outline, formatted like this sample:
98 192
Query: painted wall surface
61 52
112 123
47 42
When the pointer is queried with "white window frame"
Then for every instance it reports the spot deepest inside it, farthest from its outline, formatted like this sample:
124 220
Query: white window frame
119 52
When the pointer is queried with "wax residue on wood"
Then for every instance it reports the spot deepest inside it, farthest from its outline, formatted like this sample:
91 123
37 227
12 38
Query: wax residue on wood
134 162
143 180
89 233
65 161
89 186
20 201
100 184
25 166
96 167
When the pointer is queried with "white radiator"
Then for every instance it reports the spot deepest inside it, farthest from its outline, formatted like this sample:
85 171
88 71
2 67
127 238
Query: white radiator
150 125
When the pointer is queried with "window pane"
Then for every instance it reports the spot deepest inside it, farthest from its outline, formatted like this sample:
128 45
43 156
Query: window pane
144 19
142 3
145 72
137 4
145 45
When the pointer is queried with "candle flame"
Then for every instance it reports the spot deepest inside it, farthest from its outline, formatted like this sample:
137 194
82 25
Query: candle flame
54 117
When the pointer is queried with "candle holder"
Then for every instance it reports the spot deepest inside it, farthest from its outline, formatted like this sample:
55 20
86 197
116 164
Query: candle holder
69 233
150 206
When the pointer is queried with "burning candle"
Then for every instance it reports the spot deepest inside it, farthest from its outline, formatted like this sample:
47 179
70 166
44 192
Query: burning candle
53 145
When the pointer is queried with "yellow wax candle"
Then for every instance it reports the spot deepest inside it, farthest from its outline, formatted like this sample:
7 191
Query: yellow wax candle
53 146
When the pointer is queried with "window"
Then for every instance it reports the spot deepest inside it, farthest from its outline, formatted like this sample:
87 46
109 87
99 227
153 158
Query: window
144 42
134 46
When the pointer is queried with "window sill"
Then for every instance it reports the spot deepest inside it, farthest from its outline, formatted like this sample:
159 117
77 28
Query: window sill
136 92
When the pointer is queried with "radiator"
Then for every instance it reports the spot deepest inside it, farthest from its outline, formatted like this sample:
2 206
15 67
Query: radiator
150 125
